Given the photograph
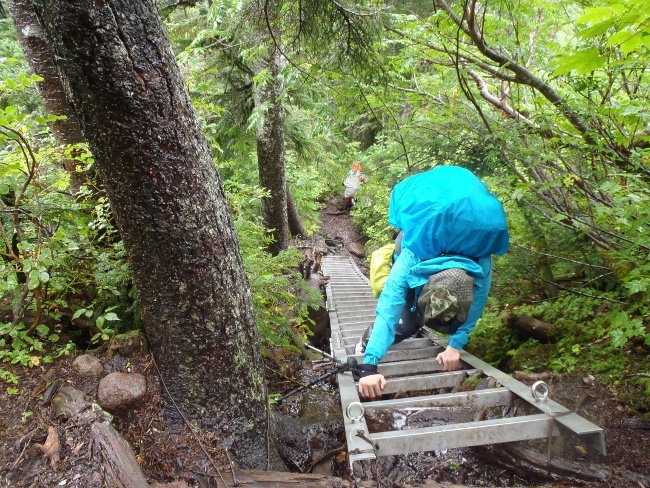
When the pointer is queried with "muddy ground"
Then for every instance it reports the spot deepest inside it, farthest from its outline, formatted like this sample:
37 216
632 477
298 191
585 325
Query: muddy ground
310 427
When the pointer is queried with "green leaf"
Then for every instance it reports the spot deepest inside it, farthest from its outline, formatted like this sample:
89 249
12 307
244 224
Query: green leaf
25 80
111 316
637 286
618 338
598 29
78 313
42 329
582 62
34 279
599 14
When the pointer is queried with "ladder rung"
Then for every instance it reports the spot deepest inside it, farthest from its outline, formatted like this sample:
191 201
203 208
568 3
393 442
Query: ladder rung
466 434
493 397
424 382
407 354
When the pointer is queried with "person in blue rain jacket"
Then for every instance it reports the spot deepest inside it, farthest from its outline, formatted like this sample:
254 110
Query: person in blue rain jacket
449 222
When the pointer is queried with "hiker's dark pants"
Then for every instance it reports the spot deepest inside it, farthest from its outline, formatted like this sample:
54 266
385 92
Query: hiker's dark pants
409 323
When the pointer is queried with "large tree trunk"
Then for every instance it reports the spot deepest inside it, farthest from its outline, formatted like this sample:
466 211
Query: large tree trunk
271 155
170 207
296 227
51 91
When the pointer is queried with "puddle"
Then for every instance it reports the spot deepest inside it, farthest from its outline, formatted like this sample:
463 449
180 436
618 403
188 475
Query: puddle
383 420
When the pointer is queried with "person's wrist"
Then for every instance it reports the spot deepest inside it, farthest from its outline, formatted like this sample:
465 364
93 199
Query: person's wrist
366 370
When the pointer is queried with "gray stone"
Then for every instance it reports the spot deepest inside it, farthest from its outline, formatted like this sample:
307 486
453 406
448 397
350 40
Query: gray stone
88 365
119 390
357 249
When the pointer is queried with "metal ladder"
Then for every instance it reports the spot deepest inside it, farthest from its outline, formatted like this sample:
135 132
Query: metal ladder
410 366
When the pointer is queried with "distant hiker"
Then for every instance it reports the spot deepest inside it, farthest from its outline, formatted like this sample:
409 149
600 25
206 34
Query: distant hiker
450 226
355 178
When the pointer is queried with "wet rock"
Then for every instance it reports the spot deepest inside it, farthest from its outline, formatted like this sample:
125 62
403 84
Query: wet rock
116 363
126 345
301 443
291 441
319 406
589 380
321 463
357 249
487 383
88 366
119 390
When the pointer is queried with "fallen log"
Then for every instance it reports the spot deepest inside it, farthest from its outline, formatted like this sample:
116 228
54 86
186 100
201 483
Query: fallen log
268 479
521 376
530 326
259 479
581 470
121 467
526 460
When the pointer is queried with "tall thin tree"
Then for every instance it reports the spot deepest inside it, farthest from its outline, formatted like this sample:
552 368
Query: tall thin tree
51 91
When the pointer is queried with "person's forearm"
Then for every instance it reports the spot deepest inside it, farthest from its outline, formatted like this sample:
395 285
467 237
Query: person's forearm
389 308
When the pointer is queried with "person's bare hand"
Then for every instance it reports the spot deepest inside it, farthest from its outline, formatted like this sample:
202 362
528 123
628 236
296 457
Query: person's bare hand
449 358
370 387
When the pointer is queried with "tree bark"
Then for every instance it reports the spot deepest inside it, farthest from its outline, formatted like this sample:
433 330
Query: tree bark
296 227
271 154
126 88
51 90
122 468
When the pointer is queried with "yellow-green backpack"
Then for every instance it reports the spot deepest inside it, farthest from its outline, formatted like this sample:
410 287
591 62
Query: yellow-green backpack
381 261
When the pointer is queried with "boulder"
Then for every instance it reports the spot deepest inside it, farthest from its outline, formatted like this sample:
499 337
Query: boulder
119 390
88 366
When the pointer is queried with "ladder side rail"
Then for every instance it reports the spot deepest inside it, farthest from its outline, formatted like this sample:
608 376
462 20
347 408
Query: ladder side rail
592 433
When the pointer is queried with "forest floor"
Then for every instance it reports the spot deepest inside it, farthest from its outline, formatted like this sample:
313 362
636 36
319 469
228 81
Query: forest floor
198 459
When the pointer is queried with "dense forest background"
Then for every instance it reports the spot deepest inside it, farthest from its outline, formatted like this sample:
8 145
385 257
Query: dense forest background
545 101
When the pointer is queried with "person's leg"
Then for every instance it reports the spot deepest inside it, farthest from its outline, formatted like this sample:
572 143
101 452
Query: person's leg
360 347
408 325
410 322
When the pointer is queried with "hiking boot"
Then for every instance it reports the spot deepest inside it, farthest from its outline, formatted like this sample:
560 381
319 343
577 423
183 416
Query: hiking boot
360 347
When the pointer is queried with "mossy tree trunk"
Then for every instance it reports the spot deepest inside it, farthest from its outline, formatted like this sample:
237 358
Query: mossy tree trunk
51 90
296 227
271 152
170 207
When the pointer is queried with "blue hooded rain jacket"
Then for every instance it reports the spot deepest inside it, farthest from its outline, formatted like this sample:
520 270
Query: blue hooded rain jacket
449 220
